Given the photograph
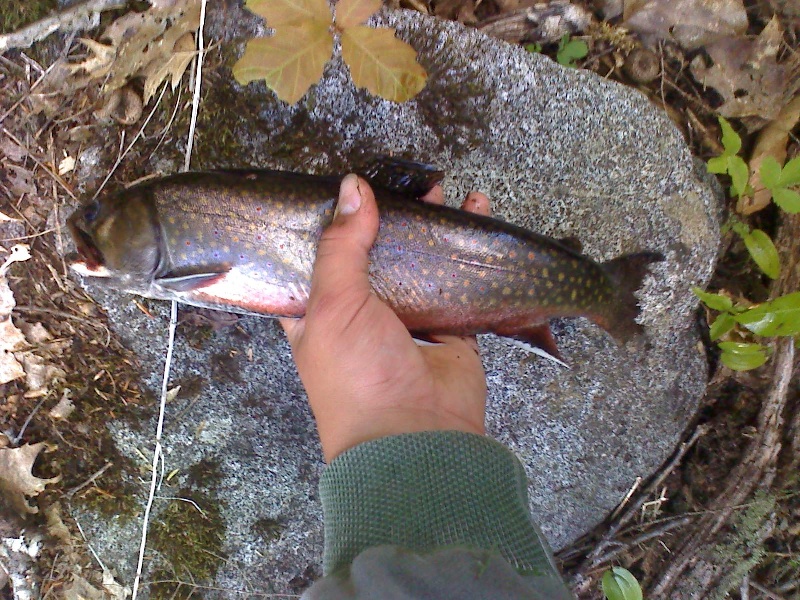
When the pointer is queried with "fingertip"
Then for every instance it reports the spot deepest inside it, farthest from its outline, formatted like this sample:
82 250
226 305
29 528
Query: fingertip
477 203
435 195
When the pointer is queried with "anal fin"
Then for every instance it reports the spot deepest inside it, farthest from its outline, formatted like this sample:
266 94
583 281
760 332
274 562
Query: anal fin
538 340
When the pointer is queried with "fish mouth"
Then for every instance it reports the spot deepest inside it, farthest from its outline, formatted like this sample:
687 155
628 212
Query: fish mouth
87 251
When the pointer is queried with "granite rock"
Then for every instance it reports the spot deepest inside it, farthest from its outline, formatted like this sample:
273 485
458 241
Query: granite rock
560 151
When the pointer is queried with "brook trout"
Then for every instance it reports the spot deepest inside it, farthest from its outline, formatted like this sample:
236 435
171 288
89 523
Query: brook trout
246 242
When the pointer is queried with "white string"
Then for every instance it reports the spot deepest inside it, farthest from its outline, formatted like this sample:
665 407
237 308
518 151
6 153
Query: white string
158 456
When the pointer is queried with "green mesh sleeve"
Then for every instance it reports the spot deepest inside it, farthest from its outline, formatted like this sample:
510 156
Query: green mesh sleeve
429 490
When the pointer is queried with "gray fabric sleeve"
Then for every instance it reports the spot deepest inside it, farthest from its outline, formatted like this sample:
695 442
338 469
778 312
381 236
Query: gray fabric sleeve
431 490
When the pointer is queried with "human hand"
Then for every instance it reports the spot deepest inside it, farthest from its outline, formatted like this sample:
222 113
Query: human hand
365 376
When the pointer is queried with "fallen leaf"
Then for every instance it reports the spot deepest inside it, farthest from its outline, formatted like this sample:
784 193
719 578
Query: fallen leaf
64 408
746 74
16 479
691 23
350 13
11 338
290 12
20 180
66 165
156 72
381 63
12 151
771 141
290 61
5 217
138 44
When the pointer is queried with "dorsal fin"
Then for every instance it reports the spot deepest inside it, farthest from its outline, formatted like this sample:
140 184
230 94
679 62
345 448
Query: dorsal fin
401 176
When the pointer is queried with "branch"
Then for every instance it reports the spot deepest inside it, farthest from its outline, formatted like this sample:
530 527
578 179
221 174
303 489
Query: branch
84 15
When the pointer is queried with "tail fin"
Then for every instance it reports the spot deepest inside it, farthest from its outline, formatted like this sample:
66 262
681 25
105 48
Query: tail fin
627 273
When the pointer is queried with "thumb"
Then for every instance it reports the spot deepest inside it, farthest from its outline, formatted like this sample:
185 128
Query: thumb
340 283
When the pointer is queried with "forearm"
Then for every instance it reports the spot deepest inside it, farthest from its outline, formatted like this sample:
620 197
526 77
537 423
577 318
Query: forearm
426 491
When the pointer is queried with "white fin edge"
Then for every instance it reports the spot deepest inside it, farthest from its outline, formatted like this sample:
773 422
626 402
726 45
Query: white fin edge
538 351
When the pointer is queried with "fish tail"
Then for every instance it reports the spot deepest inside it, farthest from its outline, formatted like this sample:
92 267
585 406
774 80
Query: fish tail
626 273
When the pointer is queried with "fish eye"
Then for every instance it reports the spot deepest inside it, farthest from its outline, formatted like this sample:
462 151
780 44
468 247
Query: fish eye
91 211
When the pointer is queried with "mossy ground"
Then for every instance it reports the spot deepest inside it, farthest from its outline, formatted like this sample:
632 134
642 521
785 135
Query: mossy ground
16 13
188 537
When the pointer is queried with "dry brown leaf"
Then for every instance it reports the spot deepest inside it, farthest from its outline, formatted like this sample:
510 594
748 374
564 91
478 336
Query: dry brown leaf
746 74
20 180
173 68
12 151
381 63
16 479
771 141
11 338
135 45
691 23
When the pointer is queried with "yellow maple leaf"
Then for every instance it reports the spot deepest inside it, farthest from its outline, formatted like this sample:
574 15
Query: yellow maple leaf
290 12
290 61
381 63
350 13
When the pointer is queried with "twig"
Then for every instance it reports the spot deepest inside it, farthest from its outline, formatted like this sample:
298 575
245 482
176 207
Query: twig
41 164
592 560
27 422
71 492
133 141
85 539
85 15
640 539
756 470
767 592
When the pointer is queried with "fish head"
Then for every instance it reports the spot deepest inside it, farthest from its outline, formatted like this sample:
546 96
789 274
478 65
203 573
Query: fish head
117 237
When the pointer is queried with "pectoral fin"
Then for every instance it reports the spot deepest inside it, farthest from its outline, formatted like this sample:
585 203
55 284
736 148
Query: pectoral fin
186 282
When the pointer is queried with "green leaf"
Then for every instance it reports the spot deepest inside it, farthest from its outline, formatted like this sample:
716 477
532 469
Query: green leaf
779 317
714 301
570 50
741 356
718 164
791 172
763 251
770 172
788 200
721 325
383 64
620 584
730 139
740 174
536 48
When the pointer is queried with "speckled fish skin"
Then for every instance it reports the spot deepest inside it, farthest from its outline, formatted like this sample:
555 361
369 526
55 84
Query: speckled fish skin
246 242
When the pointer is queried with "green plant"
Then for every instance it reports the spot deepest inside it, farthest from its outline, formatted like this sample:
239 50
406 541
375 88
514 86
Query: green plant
620 584
779 179
293 59
738 322
570 50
